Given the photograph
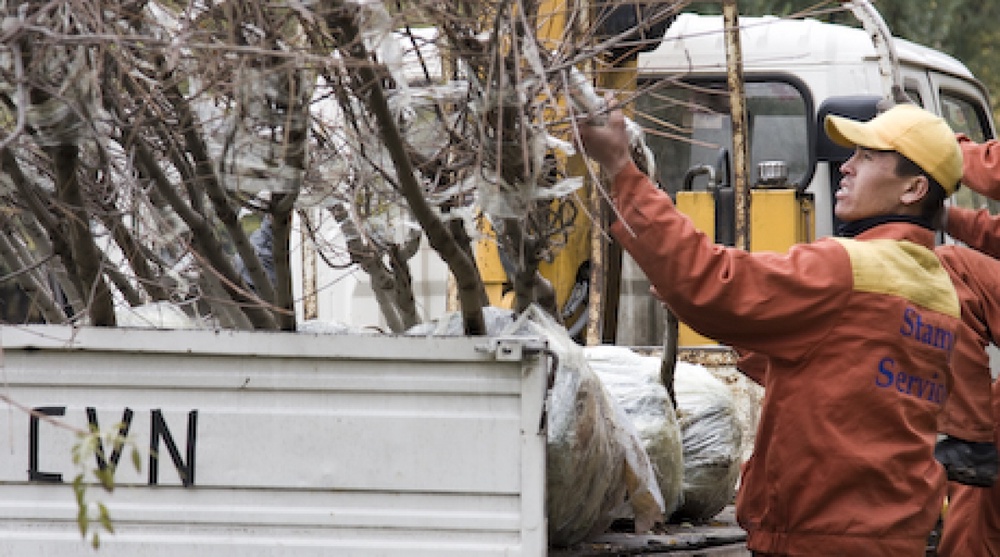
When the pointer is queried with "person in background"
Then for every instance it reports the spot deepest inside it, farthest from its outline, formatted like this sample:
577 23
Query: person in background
972 522
969 452
857 334
977 228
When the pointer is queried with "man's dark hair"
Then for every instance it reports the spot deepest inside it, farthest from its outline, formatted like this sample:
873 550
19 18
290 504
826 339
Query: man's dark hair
934 202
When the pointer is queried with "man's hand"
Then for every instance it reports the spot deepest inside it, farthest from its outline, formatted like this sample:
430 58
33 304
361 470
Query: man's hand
607 142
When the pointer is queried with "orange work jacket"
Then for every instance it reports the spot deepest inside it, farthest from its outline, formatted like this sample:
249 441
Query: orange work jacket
967 414
858 335
972 524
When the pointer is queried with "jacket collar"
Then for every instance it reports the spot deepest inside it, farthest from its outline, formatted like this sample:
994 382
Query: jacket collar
892 227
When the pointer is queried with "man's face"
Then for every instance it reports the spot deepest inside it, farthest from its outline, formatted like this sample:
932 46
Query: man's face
870 186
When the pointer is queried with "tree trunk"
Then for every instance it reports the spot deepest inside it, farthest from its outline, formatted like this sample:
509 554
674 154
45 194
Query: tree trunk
281 222
30 279
88 259
471 292
210 251
382 281
48 238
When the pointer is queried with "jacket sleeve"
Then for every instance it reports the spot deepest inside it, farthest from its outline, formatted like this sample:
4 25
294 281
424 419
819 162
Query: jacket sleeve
981 274
780 305
976 228
981 166
752 364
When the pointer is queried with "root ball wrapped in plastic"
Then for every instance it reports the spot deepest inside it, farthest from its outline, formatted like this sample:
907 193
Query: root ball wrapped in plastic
596 465
633 380
712 438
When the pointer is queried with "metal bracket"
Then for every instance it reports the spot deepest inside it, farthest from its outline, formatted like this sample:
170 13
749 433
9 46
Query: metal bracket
881 37
507 349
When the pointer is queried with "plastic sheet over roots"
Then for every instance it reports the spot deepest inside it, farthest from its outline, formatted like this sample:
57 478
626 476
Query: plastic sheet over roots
597 468
633 380
712 438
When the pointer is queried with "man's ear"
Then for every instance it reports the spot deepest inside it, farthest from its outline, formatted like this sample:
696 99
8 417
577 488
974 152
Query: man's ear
916 190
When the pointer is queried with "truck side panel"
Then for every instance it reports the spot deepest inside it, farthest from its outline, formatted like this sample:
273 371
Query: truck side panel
257 444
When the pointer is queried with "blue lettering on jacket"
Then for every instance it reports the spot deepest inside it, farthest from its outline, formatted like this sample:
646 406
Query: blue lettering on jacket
926 389
916 328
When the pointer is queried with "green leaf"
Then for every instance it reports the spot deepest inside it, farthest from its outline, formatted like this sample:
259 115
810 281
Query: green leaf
79 490
105 518
107 478
136 459
83 521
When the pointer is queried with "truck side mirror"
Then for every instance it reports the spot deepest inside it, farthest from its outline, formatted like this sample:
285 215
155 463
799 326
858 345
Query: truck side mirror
862 108
646 23
855 107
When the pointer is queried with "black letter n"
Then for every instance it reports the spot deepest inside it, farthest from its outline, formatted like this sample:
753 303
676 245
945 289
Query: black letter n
158 428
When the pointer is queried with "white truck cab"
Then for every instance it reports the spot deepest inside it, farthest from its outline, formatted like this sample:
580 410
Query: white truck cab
796 72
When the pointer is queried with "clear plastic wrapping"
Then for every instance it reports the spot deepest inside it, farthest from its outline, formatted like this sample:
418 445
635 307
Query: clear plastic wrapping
596 465
633 380
712 438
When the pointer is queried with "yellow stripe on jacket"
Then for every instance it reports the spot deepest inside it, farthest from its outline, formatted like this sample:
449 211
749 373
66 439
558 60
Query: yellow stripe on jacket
892 267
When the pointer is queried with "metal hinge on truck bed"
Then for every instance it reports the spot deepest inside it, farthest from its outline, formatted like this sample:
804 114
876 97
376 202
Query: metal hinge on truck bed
516 349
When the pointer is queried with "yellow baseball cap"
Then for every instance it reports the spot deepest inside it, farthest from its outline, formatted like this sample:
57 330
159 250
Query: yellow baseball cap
917 134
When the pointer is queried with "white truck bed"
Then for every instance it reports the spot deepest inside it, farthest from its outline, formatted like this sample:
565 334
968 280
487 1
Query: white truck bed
267 444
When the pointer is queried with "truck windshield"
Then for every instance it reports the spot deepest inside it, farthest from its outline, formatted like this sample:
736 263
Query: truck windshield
688 125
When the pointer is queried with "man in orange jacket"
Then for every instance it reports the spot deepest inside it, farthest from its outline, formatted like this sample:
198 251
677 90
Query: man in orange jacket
969 452
972 524
973 527
858 334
